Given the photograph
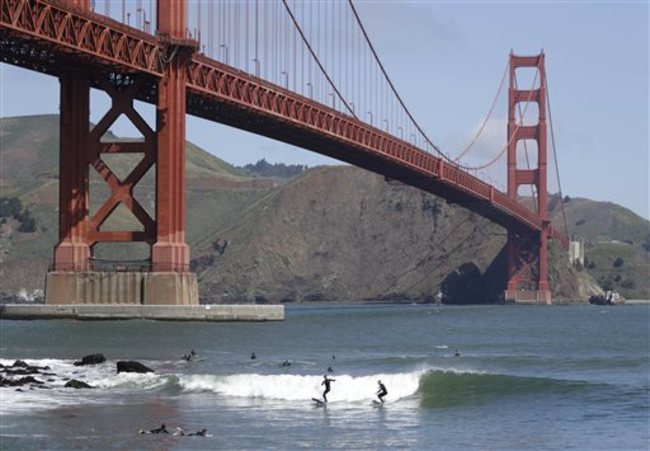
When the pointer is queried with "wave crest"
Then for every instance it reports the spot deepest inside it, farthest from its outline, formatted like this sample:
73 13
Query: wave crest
290 387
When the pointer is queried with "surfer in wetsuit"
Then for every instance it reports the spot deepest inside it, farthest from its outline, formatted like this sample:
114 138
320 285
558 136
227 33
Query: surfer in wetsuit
253 356
382 391
326 382
161 430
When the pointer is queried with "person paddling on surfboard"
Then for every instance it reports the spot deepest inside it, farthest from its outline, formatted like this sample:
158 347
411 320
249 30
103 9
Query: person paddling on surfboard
382 391
326 382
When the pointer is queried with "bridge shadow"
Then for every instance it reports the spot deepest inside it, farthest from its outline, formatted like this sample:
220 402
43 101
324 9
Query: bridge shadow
467 285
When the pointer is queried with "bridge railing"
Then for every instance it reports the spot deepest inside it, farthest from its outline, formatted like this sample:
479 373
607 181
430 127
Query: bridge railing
94 264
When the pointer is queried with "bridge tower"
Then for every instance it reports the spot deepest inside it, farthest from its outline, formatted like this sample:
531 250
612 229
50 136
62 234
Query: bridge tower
528 252
166 278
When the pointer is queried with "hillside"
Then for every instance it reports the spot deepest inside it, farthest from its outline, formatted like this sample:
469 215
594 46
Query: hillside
29 161
328 234
617 245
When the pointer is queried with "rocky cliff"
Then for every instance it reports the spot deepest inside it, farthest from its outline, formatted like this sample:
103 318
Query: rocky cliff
329 234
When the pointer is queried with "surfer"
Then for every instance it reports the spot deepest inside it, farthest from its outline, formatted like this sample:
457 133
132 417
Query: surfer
161 430
456 353
181 433
326 382
286 363
253 356
329 369
382 391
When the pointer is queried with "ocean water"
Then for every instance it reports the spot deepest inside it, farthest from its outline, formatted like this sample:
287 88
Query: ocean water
565 377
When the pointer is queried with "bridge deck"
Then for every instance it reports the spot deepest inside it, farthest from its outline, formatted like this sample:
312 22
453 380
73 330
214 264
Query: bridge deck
48 37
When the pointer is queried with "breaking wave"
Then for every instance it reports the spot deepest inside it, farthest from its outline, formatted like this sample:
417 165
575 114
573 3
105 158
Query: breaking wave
431 387
295 387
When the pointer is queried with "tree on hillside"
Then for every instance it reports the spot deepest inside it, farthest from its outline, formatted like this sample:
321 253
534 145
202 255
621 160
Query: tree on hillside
265 169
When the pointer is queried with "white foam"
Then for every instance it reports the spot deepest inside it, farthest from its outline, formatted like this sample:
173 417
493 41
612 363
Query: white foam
345 388
102 375
130 380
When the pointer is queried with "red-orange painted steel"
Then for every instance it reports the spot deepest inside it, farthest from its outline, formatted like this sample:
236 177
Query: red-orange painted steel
222 93
170 252
75 31
121 190
526 248
80 148
73 250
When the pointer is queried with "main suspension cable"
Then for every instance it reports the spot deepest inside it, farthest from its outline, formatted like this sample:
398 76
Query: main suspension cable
487 117
320 65
390 83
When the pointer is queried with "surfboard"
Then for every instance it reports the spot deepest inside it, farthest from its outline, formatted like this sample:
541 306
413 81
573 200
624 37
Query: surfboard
318 402
377 403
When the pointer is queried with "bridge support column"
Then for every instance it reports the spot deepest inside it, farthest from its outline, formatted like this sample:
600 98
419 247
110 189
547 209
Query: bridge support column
167 281
170 252
528 254
73 250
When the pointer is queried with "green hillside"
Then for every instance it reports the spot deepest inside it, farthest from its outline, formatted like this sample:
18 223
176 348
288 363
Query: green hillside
327 234
617 244
29 163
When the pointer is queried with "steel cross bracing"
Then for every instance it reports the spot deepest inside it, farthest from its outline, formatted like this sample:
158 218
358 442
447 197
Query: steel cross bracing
47 35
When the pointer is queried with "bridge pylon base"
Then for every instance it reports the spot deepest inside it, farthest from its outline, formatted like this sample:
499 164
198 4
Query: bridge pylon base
139 288
528 297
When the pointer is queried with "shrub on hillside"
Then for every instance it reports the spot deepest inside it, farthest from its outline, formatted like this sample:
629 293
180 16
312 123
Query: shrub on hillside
265 169
12 207
618 262
628 284
646 243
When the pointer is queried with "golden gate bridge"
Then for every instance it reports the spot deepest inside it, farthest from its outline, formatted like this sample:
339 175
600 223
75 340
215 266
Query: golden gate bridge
305 73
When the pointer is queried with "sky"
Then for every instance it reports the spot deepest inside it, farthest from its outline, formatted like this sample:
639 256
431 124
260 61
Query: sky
446 60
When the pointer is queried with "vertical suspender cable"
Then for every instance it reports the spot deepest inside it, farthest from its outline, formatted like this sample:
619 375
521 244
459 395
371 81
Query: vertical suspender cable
557 167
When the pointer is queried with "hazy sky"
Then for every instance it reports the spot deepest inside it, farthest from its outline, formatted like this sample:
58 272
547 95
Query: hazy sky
447 58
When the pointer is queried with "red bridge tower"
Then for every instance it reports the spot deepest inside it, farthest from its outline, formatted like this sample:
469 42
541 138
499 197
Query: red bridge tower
528 252
167 279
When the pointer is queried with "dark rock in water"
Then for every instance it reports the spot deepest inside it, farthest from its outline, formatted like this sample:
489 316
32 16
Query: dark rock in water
20 363
21 371
599 299
4 382
130 366
92 359
74 383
